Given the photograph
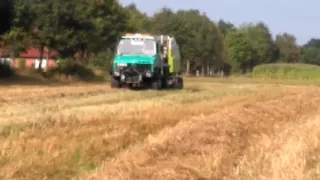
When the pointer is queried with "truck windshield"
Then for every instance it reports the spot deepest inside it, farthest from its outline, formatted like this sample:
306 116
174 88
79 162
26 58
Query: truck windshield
137 46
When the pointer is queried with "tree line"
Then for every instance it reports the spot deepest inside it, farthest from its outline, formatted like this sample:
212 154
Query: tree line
91 28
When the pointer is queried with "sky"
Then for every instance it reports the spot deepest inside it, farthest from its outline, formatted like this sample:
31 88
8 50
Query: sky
298 17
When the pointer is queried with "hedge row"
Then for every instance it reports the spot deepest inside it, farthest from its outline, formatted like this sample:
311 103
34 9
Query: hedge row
287 71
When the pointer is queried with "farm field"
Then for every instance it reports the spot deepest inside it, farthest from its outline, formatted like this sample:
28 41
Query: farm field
213 129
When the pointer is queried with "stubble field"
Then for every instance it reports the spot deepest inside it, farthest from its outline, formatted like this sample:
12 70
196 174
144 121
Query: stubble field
213 129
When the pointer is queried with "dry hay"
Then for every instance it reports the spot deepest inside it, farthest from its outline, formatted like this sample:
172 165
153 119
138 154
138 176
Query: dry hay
202 132
266 139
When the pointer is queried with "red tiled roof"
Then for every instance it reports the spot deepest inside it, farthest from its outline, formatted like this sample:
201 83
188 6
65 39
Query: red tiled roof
30 53
35 52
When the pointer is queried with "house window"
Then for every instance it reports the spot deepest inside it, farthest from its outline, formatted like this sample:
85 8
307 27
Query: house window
6 61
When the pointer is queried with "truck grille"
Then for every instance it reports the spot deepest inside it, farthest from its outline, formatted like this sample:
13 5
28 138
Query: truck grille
141 68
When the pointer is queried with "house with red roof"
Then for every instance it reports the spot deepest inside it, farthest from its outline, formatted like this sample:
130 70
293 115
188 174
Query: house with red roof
31 58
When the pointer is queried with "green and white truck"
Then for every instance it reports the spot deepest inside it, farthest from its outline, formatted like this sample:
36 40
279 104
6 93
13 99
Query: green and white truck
144 60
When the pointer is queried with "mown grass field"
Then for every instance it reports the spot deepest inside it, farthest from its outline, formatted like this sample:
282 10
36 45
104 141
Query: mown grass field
234 128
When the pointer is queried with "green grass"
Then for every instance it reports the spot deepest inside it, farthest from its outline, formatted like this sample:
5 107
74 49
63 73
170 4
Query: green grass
286 71
238 80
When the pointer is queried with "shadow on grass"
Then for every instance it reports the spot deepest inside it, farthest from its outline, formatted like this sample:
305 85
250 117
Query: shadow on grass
39 81
33 79
144 88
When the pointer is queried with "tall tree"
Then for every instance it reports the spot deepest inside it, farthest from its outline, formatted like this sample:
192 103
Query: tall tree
101 22
225 27
192 48
313 42
138 21
289 51
261 42
208 44
240 51
17 36
311 55
311 52
44 26
175 24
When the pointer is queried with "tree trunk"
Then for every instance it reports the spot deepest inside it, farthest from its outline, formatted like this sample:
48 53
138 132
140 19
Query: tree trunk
12 62
188 67
83 58
202 70
208 70
41 57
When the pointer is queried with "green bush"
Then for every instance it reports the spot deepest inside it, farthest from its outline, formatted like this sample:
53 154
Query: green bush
101 60
287 71
6 71
69 67
22 63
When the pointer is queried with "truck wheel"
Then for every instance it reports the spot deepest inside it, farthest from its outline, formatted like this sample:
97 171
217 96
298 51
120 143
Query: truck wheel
179 83
114 83
157 84
164 83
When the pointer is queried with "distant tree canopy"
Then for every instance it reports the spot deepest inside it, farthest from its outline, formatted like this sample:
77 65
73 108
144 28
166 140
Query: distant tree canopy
94 26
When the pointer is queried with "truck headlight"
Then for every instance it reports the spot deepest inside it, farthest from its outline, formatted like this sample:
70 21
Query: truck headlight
148 74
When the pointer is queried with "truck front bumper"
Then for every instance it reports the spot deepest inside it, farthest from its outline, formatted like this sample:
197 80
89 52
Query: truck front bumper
130 79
